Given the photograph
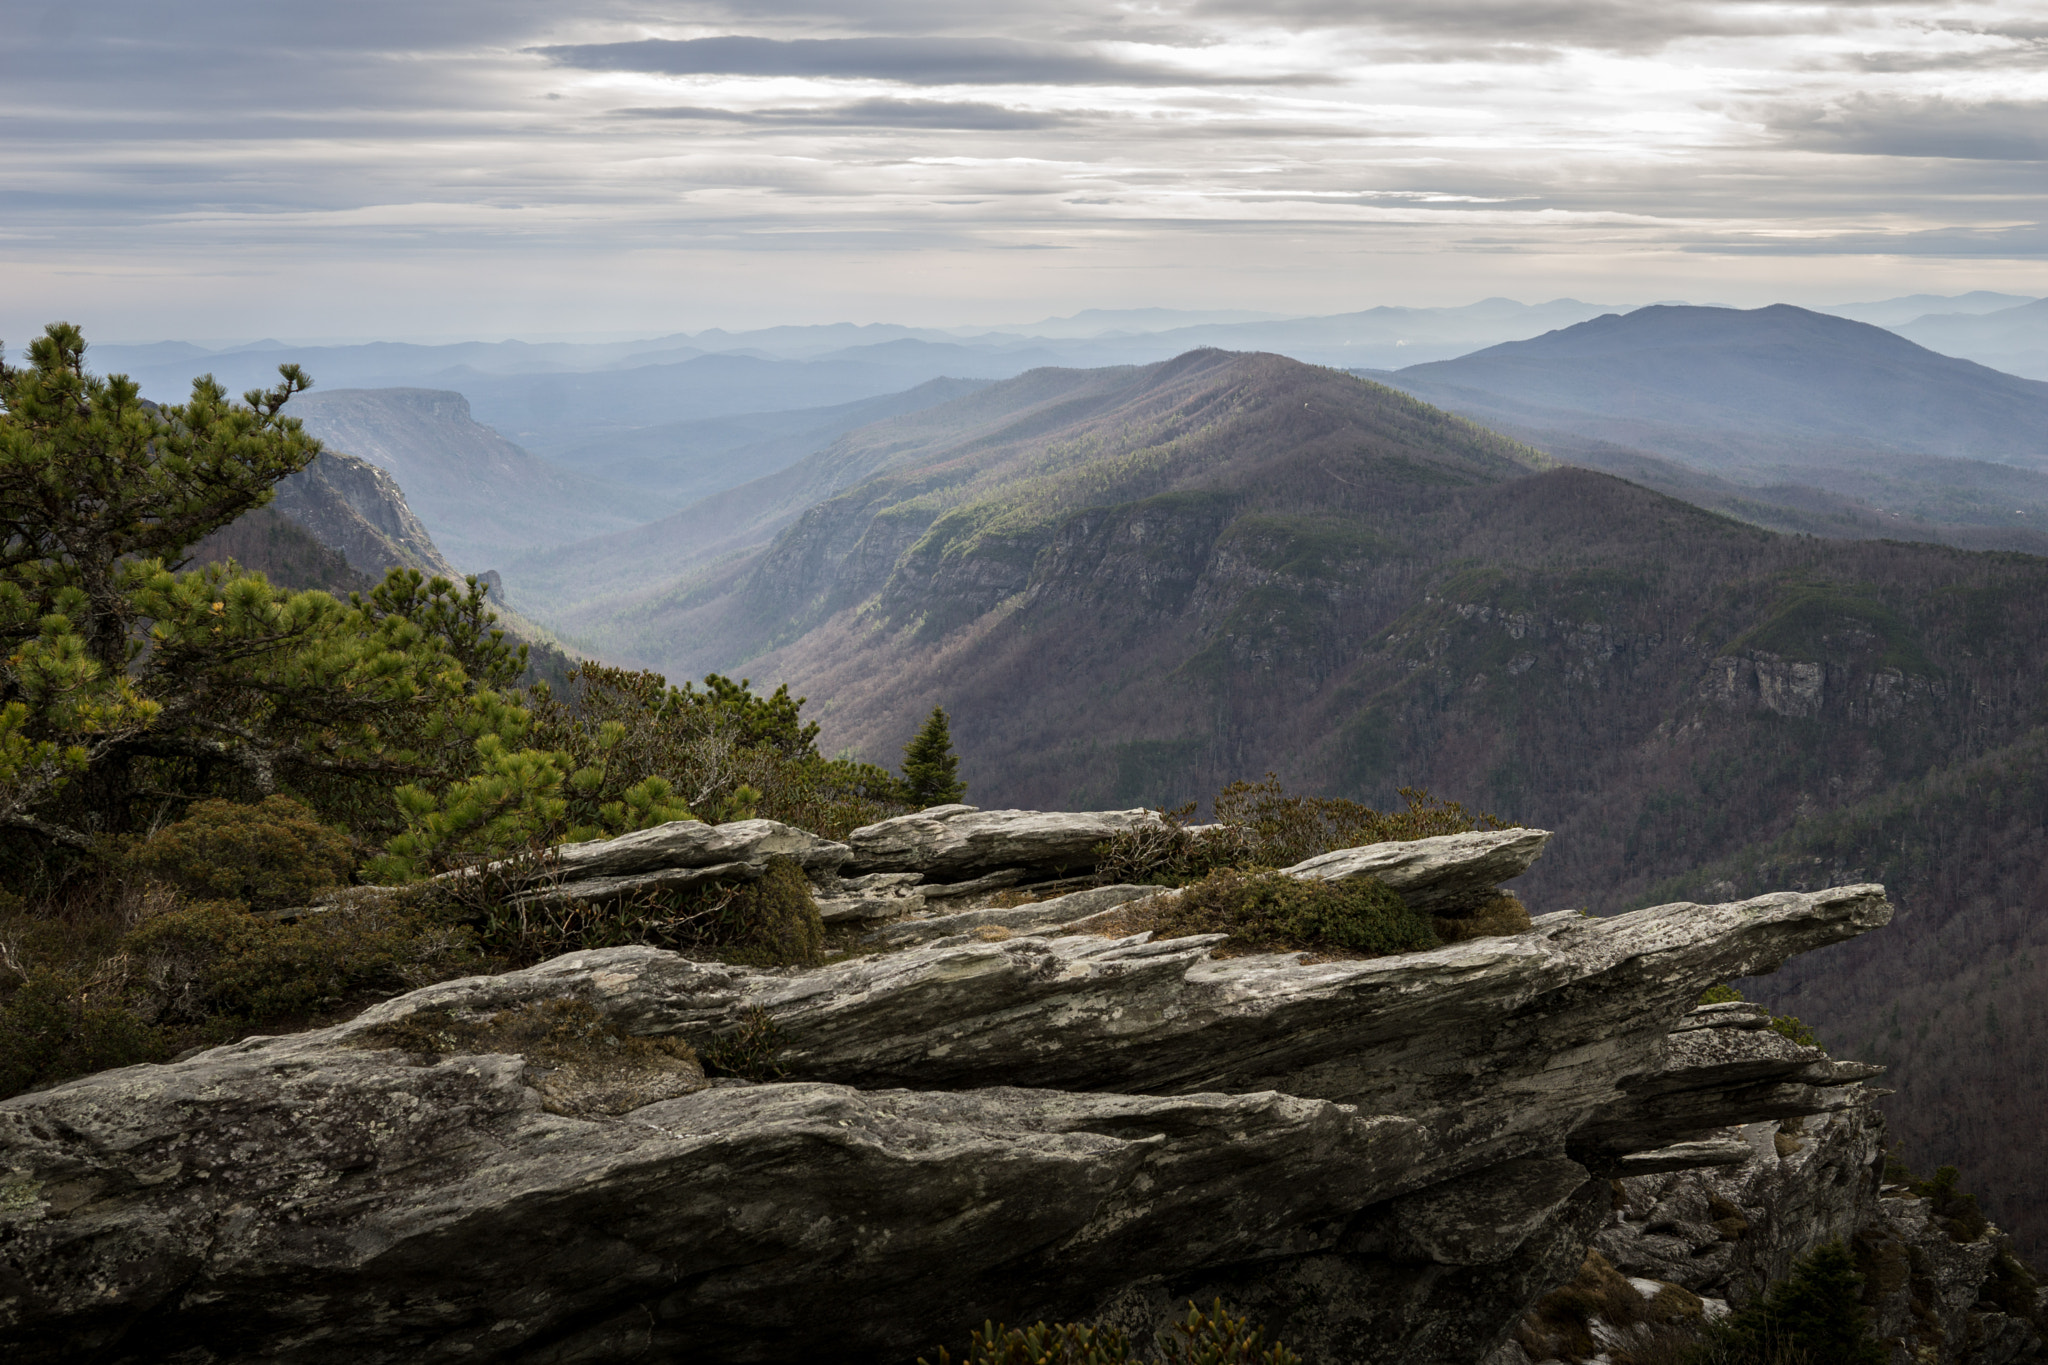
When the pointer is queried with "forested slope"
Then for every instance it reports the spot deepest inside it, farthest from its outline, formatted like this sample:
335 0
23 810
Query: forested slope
1245 563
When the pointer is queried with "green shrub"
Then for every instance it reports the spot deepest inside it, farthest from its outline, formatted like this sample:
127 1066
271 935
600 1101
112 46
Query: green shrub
214 960
830 797
1258 825
270 855
1493 917
1957 1211
771 922
1284 830
1213 1338
56 1023
1786 1025
2014 1288
749 1050
1170 854
1653 1330
1269 911
1814 1316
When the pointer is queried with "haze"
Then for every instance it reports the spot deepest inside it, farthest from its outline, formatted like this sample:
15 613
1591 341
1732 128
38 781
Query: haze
231 169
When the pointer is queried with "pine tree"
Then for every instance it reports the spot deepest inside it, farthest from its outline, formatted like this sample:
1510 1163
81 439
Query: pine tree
125 681
1815 1316
931 770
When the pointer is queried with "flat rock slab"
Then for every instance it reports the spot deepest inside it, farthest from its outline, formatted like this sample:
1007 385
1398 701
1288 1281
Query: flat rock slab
1498 1045
323 1197
954 843
1046 914
879 895
1435 874
312 1202
692 843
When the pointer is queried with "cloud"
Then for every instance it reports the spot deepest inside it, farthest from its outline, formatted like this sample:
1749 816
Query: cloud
910 60
1993 130
2018 242
1608 25
1278 151
871 113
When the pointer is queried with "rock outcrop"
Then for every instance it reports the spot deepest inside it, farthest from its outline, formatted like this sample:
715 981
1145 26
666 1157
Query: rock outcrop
954 843
674 856
1384 1160
1437 873
1722 1217
358 509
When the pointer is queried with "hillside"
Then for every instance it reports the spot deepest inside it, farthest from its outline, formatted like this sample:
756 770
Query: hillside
1828 425
2011 339
1725 386
596 587
1231 563
678 463
274 545
480 496
1951 998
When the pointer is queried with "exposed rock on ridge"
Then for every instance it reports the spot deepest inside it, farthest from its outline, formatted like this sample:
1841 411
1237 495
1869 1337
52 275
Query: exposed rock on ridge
1435 873
1068 1127
950 843
358 509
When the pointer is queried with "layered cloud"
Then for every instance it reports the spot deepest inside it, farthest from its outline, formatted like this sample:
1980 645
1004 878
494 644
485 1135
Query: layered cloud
498 160
909 60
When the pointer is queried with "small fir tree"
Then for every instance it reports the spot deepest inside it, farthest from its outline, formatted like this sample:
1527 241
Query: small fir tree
931 770
1814 1316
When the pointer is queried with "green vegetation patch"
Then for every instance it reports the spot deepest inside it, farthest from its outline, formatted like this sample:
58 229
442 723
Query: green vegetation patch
1828 621
271 855
1560 1326
1814 1316
1787 1026
1261 825
769 922
1270 912
1306 547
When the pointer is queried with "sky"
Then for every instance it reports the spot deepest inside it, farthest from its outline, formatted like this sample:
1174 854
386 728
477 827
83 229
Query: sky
230 169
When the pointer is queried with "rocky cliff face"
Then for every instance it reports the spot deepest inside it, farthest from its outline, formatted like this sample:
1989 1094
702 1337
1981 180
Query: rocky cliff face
358 509
1697 1241
1386 1160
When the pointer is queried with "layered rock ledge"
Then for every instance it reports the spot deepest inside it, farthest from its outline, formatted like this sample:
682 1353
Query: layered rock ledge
1385 1160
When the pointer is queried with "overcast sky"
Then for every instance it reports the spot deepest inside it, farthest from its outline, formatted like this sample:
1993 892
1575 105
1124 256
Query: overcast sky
225 169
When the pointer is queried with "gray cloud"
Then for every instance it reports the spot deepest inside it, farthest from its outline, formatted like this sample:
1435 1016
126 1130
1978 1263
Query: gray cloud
2018 242
1994 130
388 157
911 60
871 113
1613 25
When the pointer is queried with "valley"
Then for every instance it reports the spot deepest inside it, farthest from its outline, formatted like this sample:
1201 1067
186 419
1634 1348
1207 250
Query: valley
1731 600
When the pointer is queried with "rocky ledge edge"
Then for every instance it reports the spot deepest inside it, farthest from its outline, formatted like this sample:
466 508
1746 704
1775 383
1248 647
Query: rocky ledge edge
1384 1160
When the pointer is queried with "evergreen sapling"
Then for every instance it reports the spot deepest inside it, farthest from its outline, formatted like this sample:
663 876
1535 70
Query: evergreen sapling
931 770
